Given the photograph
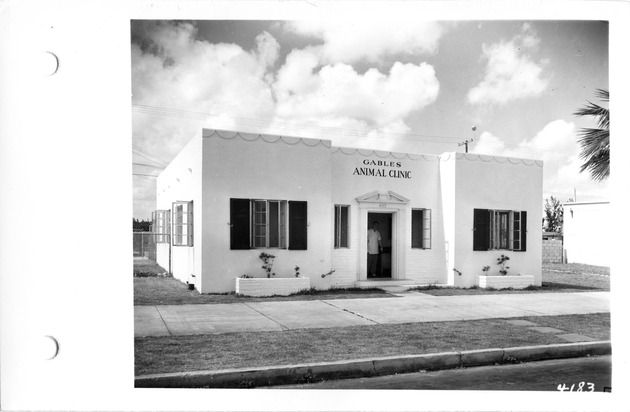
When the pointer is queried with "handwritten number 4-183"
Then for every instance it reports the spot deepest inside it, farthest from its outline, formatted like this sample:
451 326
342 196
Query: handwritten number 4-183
590 387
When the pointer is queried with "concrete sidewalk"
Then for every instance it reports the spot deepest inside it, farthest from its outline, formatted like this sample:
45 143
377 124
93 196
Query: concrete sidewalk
404 308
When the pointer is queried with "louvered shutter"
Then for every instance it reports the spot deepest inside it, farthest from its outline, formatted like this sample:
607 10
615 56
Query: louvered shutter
481 229
523 231
416 228
297 225
240 227
426 229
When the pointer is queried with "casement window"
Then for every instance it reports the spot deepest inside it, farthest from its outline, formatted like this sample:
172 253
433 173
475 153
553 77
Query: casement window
500 229
257 223
269 223
421 228
341 225
182 223
162 225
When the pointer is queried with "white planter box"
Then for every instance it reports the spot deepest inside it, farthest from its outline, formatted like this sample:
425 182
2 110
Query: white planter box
503 282
271 286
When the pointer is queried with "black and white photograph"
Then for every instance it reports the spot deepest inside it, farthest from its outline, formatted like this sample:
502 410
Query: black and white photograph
365 199
364 206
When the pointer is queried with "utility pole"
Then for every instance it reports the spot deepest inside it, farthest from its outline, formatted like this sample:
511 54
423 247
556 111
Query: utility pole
465 142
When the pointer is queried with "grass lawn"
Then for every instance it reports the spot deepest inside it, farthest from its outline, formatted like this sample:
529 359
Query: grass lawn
147 268
572 277
159 290
254 349
170 291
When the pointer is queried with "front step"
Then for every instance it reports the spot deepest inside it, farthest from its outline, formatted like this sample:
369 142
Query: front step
383 283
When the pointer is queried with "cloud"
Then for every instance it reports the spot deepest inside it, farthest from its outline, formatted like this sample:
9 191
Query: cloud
369 40
172 69
339 91
556 140
555 144
510 73
225 86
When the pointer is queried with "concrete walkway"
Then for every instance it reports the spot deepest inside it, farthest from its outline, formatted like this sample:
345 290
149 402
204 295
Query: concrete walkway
405 308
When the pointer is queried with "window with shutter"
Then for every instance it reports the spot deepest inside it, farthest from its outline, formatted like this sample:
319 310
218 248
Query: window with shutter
341 225
297 225
499 229
421 228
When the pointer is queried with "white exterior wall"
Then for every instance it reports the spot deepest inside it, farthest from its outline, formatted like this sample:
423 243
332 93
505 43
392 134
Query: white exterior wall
586 229
220 166
421 189
487 182
181 181
447 201
269 167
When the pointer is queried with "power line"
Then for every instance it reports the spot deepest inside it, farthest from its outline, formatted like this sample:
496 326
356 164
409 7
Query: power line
146 164
142 174
148 158
340 131
572 195
251 121
139 150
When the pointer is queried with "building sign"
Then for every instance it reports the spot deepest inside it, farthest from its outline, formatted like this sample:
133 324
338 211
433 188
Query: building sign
382 168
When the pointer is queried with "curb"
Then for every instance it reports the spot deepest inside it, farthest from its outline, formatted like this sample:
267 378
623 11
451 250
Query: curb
307 373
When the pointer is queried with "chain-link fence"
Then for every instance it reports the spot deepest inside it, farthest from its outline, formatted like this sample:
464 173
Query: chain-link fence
144 246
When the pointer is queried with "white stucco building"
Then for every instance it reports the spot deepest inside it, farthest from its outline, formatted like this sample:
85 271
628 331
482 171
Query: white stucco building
586 229
229 196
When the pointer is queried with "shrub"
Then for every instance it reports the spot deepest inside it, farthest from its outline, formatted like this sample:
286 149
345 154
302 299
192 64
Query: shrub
148 273
501 262
267 263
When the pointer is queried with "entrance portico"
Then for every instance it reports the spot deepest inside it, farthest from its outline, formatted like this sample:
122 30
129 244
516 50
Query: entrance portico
383 203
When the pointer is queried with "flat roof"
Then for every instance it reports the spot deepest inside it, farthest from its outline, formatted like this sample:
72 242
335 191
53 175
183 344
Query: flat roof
601 202
308 141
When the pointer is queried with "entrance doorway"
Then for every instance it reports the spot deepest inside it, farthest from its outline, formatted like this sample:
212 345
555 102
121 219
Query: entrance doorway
384 260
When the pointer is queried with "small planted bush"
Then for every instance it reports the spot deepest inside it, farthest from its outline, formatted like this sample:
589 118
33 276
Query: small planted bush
267 263
501 261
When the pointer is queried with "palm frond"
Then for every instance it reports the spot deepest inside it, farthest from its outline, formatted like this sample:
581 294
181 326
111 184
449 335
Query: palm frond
595 143
603 94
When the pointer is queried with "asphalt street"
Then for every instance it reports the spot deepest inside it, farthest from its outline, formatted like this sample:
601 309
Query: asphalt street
576 374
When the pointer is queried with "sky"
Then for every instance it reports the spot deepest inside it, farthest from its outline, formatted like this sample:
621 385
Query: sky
402 86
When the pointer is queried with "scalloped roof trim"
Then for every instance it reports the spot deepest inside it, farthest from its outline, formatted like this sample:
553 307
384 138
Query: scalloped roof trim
385 154
228 135
489 158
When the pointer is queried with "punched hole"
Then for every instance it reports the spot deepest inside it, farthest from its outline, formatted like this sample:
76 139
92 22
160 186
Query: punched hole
49 63
48 347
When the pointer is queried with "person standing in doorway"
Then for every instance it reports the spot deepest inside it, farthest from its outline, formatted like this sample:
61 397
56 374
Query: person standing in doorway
374 247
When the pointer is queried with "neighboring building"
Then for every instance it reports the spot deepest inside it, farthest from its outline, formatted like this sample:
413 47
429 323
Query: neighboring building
228 196
552 248
586 232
